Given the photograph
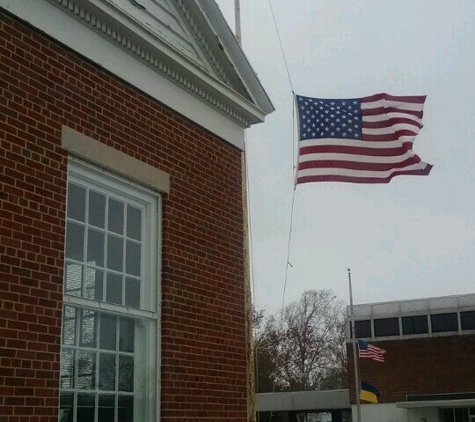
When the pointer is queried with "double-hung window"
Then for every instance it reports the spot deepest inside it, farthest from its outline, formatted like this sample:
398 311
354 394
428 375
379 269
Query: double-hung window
109 354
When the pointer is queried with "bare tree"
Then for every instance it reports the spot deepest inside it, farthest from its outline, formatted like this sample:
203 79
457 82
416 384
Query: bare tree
302 348
266 351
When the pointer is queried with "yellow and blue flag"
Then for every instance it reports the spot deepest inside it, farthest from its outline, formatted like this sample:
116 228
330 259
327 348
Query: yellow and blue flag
369 393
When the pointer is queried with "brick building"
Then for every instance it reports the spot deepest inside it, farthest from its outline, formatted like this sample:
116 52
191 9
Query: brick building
429 369
122 262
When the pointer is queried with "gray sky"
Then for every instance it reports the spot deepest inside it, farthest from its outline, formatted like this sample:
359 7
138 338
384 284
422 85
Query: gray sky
411 238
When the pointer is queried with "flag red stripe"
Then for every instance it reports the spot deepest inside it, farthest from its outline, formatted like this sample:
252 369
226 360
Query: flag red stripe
386 110
417 99
355 165
376 358
341 149
349 179
388 136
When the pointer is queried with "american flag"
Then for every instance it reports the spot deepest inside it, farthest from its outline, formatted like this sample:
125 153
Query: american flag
367 350
359 140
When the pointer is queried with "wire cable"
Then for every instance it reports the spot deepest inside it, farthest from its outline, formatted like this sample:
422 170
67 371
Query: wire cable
281 46
289 241
288 264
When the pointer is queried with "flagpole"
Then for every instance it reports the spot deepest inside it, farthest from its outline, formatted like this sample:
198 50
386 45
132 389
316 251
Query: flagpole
355 356
237 20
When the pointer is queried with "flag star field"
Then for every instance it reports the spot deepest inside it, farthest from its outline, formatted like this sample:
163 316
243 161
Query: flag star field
330 118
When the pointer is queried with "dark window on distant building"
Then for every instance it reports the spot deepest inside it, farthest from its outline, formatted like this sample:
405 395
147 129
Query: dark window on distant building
415 325
446 415
468 320
454 414
386 327
363 328
444 322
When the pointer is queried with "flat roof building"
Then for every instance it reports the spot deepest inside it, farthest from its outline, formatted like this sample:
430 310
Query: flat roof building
429 368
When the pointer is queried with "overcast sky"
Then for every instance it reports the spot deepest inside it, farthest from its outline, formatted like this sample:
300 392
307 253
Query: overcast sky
411 238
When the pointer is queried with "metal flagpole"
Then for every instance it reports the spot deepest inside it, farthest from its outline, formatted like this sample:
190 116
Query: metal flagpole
355 356
237 20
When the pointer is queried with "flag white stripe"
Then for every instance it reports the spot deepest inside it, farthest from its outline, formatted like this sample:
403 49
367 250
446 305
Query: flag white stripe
387 116
355 158
391 129
357 173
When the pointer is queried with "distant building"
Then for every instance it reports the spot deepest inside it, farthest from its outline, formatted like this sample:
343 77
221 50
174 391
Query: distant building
429 369
123 280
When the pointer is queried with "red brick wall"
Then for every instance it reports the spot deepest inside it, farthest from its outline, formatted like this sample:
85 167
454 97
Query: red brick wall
42 87
419 366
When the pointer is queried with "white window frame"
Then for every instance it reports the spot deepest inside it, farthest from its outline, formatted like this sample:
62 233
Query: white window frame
148 316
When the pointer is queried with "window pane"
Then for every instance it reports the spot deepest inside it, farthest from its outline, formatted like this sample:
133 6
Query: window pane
415 325
69 326
86 403
76 202
86 370
116 216
95 248
97 209
106 408
461 414
127 335
126 373
114 289
66 402
447 415
126 409
134 223
93 283
108 332
107 371
444 322
468 320
133 258
67 368
115 253
363 328
132 292
386 327
73 274
87 329
75 241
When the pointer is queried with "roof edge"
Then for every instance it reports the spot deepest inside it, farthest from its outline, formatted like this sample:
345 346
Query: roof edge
237 55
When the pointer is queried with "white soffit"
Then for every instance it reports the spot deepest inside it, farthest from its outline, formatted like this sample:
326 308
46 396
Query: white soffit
436 403
180 52
427 305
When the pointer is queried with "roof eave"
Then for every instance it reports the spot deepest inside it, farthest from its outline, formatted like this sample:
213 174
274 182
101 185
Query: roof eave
237 55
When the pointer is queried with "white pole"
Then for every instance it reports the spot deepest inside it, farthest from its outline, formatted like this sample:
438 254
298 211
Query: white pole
355 356
237 17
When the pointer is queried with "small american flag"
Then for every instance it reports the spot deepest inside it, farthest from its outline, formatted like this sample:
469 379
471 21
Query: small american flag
367 350
359 140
